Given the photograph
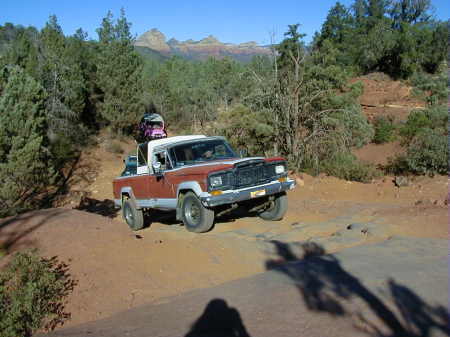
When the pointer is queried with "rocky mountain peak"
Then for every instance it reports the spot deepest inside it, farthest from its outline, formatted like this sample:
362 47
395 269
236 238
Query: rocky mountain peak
153 39
210 40
173 42
249 44
207 47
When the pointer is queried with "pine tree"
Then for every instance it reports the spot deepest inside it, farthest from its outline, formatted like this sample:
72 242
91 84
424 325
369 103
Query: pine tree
20 48
337 24
119 74
410 11
61 76
84 53
25 171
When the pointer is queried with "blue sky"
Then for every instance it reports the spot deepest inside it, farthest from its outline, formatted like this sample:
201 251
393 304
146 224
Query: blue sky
229 21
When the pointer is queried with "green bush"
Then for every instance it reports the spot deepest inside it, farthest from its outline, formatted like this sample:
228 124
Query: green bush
431 88
32 295
384 130
435 117
347 166
428 153
397 165
63 151
353 126
425 138
246 128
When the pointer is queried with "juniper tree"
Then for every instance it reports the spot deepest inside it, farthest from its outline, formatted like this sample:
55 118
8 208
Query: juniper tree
310 108
19 46
119 74
25 169
398 37
61 76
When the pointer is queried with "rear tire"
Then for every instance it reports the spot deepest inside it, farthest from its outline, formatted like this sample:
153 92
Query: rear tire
196 217
133 217
278 210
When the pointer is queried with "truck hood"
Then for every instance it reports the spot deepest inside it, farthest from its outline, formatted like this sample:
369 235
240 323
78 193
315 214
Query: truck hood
218 165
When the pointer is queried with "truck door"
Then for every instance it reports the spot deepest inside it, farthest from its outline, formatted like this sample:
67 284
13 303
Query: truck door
162 186
144 179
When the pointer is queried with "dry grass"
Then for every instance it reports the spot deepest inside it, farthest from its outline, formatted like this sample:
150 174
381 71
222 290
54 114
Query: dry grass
114 147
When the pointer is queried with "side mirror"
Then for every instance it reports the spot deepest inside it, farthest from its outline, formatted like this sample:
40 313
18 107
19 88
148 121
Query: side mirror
243 153
157 168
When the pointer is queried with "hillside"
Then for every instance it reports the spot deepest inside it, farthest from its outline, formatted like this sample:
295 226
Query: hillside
384 97
156 41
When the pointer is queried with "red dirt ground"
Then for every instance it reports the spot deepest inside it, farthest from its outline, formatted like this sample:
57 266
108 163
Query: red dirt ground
118 269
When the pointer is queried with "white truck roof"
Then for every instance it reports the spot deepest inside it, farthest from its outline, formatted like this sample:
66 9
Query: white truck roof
169 140
164 141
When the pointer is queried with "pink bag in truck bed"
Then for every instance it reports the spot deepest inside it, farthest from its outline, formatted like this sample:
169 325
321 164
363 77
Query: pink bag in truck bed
152 127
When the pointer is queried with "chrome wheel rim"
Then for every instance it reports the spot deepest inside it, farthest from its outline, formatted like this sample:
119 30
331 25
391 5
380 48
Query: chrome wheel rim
129 215
192 213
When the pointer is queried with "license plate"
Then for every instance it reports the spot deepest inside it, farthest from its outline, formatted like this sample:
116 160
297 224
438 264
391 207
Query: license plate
258 193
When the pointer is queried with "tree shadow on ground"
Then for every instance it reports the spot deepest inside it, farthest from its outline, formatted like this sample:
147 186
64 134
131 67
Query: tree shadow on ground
75 171
14 230
218 320
327 287
105 208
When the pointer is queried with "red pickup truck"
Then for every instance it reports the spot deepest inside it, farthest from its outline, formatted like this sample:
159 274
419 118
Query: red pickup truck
200 178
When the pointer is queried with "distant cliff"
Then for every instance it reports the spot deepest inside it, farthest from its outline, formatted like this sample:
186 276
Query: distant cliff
209 46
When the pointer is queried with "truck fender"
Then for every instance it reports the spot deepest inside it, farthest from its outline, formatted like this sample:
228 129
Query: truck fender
193 186
127 191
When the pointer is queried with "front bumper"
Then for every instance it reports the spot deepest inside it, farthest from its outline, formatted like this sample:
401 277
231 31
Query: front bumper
233 196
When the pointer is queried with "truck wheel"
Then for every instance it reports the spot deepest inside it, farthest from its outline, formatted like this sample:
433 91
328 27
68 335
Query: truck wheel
278 210
196 217
133 217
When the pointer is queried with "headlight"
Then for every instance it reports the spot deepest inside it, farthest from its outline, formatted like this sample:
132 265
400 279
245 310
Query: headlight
279 169
215 181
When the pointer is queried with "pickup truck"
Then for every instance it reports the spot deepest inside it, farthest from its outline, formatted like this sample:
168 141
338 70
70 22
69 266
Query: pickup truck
200 178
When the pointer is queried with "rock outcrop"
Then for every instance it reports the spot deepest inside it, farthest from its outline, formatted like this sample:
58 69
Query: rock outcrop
155 40
209 46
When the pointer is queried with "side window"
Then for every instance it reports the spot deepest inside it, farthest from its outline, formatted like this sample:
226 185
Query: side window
142 154
162 158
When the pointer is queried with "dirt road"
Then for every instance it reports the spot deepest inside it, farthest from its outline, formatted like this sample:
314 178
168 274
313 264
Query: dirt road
118 270
374 289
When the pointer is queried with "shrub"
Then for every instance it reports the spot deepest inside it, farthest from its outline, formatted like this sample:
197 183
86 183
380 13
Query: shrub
32 294
246 128
435 117
425 138
384 130
432 88
354 127
63 151
428 153
347 166
397 165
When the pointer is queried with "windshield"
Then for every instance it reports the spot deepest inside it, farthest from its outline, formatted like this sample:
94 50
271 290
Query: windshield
201 151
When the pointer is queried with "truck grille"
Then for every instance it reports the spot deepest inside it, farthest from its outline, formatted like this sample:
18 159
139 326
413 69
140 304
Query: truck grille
251 175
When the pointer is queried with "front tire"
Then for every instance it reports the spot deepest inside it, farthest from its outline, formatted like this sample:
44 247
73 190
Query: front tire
278 209
196 217
133 217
